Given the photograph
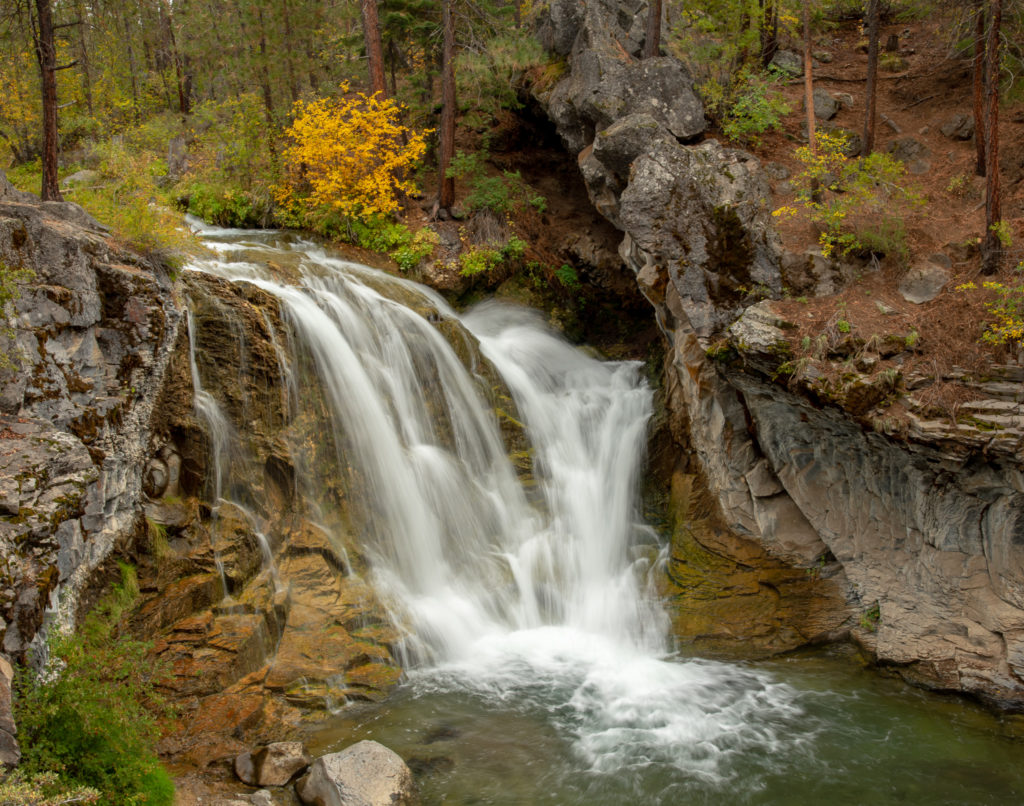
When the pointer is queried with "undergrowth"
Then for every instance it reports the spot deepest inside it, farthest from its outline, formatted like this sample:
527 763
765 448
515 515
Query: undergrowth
87 722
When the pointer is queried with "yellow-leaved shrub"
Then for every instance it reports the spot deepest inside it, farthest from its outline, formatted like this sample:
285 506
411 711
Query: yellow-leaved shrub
348 159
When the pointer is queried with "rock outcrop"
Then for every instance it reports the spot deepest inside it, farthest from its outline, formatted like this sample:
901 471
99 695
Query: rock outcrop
91 335
794 517
693 215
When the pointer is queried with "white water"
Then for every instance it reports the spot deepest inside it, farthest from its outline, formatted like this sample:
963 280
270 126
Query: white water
506 601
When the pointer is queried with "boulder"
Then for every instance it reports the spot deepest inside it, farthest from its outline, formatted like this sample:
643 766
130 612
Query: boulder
788 61
273 765
83 177
958 127
605 83
10 753
364 774
923 283
825 106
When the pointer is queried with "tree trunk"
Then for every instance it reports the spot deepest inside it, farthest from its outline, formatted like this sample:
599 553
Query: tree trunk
46 55
83 55
871 90
808 76
979 87
289 52
769 31
374 46
268 93
446 183
652 37
809 91
172 44
991 246
132 69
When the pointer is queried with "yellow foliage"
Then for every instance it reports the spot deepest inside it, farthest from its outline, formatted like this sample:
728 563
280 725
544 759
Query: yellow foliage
352 156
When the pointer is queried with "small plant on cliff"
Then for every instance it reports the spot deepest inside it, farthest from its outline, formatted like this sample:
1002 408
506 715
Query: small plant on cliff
857 203
9 292
349 158
89 717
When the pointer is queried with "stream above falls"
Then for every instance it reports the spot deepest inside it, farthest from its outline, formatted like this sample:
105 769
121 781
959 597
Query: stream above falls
538 663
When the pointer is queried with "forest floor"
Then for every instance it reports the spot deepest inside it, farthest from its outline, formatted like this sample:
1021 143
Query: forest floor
932 88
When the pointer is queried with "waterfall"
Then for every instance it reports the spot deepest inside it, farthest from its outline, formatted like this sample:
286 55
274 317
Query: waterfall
539 595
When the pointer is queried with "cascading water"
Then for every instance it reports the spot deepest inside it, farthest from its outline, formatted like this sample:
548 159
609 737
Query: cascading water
533 606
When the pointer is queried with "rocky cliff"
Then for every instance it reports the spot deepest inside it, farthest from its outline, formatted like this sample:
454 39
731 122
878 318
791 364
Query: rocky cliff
793 520
90 338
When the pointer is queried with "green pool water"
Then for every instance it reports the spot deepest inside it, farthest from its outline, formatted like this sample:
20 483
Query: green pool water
821 730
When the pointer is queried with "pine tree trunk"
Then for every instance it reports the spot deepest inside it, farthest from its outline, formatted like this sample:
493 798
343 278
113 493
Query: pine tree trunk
374 46
979 87
991 246
83 56
652 37
871 90
769 31
809 91
445 182
46 55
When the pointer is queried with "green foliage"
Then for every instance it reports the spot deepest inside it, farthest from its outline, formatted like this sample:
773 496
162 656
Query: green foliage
228 205
1007 310
502 193
488 78
568 277
869 618
479 259
750 106
858 204
384 235
44 789
88 719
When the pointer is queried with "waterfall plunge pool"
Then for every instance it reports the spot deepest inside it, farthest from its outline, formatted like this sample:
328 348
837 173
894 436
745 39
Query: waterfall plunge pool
540 671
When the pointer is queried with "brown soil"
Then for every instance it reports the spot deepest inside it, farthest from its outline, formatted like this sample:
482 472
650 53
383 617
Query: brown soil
934 87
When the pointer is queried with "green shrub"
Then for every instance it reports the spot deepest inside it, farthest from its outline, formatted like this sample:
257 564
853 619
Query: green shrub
567 276
752 106
89 717
857 204
229 206
384 235
479 259
501 193
9 280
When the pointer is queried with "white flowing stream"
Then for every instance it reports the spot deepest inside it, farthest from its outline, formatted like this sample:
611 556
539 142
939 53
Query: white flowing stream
531 602
500 597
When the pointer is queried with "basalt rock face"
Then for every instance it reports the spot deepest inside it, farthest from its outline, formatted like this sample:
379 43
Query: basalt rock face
927 523
793 519
695 214
91 335
697 236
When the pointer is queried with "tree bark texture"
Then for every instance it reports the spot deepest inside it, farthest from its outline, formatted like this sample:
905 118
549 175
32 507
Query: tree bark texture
652 36
991 246
979 87
871 89
374 46
446 183
46 55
